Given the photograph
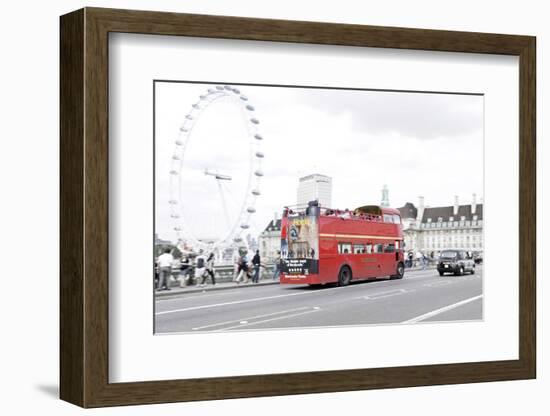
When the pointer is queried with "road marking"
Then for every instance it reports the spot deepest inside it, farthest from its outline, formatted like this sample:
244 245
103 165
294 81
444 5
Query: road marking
441 310
267 320
386 294
438 283
237 302
205 294
249 318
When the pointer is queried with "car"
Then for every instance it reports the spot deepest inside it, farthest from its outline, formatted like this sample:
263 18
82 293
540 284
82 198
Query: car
457 262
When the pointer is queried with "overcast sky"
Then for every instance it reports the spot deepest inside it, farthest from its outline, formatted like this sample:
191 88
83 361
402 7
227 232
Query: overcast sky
418 144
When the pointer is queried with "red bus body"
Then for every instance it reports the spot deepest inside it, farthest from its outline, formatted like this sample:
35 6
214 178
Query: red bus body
318 243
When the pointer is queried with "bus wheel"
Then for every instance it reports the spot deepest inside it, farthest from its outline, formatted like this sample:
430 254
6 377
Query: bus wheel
399 272
344 277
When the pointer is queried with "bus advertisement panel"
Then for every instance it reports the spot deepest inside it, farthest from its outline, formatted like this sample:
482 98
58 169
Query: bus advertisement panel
300 244
320 245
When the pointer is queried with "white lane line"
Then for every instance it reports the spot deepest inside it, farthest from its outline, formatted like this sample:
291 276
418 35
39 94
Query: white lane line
438 283
268 320
248 318
204 294
387 294
237 302
441 310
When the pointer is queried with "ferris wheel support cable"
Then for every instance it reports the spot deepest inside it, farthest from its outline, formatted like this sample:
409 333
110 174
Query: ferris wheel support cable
224 204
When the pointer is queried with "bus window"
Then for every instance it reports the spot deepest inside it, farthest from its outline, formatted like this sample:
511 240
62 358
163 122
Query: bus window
378 248
396 219
388 218
389 248
344 248
369 248
358 248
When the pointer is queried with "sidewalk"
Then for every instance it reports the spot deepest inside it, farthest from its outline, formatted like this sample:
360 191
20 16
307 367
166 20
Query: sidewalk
176 290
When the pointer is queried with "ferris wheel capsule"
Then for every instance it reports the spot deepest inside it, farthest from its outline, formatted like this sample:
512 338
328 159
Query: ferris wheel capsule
251 210
259 173
258 137
249 108
254 121
245 226
259 154
256 192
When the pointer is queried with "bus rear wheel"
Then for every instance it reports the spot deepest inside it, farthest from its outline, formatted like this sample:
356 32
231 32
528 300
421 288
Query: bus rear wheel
399 272
344 277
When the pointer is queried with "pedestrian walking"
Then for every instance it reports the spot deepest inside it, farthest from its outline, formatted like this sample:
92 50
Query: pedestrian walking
424 261
277 266
236 266
200 266
418 258
256 262
185 271
165 261
243 269
410 258
209 270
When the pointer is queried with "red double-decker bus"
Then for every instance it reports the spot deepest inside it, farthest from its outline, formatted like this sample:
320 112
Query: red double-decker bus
322 245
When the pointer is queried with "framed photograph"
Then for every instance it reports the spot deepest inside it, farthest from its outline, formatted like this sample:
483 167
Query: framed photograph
255 207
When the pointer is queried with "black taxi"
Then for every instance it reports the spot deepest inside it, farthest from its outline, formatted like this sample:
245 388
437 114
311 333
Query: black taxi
457 262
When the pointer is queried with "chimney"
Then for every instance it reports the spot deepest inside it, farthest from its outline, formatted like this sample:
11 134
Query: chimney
455 208
420 211
474 204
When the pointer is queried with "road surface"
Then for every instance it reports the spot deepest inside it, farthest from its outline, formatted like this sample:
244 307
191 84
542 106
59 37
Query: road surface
421 296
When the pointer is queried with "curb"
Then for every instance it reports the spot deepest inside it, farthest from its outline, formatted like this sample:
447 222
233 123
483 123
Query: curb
176 292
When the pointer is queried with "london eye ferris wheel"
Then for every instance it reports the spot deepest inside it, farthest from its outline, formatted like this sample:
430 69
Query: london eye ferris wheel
231 194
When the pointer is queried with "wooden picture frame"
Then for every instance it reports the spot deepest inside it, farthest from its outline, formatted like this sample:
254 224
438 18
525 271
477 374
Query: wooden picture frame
84 207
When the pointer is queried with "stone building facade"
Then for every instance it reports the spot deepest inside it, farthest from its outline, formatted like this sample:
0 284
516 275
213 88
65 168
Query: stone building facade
433 229
269 241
